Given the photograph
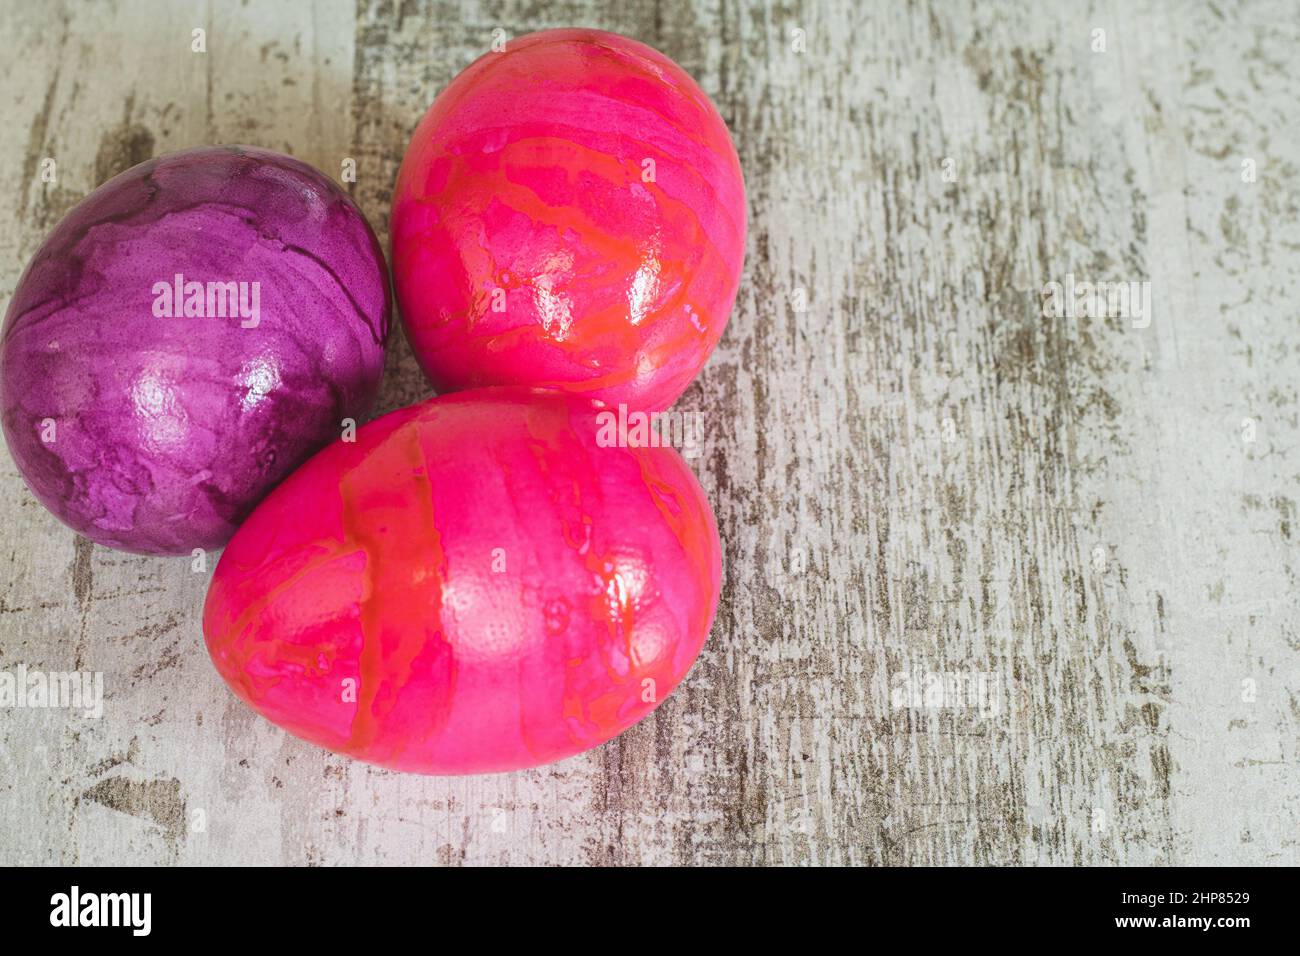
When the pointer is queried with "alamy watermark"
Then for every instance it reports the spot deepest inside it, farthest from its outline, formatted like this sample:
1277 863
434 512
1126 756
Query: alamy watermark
956 690
130 910
634 429
71 690
210 300
1073 299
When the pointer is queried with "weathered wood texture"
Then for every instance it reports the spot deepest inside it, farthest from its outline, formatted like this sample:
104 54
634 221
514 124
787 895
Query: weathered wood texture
916 474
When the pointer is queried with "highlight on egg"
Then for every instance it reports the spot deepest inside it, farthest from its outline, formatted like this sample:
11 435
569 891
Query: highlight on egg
570 213
189 333
478 583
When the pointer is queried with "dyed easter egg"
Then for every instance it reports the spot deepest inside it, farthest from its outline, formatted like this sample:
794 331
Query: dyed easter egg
570 213
191 331
478 583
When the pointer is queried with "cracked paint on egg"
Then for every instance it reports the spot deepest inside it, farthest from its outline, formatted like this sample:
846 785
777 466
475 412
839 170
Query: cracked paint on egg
149 427
570 213
475 584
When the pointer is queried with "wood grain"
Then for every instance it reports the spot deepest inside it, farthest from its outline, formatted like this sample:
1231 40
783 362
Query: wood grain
1089 526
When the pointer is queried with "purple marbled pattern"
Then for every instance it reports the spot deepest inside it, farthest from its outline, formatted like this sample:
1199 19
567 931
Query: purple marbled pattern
167 431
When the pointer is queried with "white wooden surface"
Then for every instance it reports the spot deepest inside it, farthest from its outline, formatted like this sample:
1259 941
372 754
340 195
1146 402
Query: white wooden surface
917 474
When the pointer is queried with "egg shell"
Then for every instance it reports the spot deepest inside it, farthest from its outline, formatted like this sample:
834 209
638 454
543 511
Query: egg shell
151 430
478 583
570 213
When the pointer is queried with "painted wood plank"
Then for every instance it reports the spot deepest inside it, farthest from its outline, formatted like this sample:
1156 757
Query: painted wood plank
1088 527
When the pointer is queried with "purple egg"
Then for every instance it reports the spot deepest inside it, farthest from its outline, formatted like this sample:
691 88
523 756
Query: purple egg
191 332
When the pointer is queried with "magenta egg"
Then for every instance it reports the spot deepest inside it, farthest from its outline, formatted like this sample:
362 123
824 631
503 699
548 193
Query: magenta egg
189 333
570 213
480 582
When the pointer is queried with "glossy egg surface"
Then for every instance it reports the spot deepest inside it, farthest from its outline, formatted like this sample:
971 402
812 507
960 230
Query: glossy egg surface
570 213
189 333
477 583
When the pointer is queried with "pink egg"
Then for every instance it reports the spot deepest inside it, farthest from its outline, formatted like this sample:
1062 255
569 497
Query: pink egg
477 583
570 213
